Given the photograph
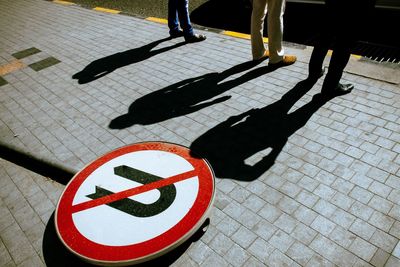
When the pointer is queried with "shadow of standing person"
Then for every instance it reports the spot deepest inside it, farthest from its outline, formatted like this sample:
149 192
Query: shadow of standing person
185 97
228 145
106 65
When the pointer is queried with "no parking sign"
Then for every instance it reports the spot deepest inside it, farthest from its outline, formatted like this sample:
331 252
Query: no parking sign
134 203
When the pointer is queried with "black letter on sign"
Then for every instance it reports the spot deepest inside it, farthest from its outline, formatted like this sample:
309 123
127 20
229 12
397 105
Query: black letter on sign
135 208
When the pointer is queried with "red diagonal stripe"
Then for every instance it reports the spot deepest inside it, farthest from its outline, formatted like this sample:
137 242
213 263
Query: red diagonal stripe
133 191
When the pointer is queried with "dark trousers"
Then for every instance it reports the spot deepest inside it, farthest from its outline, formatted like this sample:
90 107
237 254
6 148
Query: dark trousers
341 47
344 22
178 14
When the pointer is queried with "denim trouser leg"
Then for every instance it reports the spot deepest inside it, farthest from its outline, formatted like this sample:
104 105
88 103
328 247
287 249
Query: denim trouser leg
184 19
173 16
179 8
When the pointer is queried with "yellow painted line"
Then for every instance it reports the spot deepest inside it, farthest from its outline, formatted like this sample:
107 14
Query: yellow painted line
352 55
241 35
158 20
106 10
237 34
12 66
64 2
356 56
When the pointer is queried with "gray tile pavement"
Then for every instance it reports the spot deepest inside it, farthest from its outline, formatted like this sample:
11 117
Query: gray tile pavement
331 197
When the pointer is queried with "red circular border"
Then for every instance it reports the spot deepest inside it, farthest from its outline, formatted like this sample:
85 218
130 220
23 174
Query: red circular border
139 252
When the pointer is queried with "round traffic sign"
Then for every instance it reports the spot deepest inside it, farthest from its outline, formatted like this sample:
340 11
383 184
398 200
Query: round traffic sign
134 203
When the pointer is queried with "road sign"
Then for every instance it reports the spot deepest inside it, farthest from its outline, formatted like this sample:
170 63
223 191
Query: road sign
134 203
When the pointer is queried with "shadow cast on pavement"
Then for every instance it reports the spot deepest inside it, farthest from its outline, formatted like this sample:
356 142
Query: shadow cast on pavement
106 65
187 96
229 144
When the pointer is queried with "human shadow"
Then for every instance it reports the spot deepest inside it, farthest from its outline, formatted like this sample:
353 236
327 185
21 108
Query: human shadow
106 65
186 96
56 254
228 145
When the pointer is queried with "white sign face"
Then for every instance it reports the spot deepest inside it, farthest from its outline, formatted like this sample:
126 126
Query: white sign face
109 226
134 203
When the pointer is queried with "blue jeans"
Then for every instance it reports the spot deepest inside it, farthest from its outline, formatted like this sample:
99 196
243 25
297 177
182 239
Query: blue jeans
179 9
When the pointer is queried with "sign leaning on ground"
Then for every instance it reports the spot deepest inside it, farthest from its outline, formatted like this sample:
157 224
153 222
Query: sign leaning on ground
134 203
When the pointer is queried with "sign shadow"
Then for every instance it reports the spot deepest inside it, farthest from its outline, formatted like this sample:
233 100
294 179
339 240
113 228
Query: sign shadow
228 145
55 253
108 64
186 96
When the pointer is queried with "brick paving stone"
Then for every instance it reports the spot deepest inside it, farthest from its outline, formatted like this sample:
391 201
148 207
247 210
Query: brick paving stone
394 196
318 260
323 225
264 229
363 249
5 257
361 263
342 237
305 215
325 208
17 244
380 258
228 226
237 256
213 260
383 241
300 253
381 221
281 241
395 230
221 244
286 223
362 181
396 251
244 237
361 195
261 250
199 252
307 199
308 183
380 189
380 204
395 212
249 219
343 218
392 262
252 261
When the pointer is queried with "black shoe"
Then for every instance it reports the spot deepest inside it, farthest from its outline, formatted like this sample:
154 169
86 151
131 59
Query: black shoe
176 34
195 38
340 89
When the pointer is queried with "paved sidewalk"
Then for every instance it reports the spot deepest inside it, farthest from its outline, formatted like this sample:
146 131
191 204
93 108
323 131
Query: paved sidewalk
330 198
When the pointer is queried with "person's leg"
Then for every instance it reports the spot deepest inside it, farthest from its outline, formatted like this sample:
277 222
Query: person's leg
340 57
257 28
184 19
173 17
315 66
276 9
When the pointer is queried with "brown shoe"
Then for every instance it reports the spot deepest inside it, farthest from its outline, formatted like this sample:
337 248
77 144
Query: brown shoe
286 61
